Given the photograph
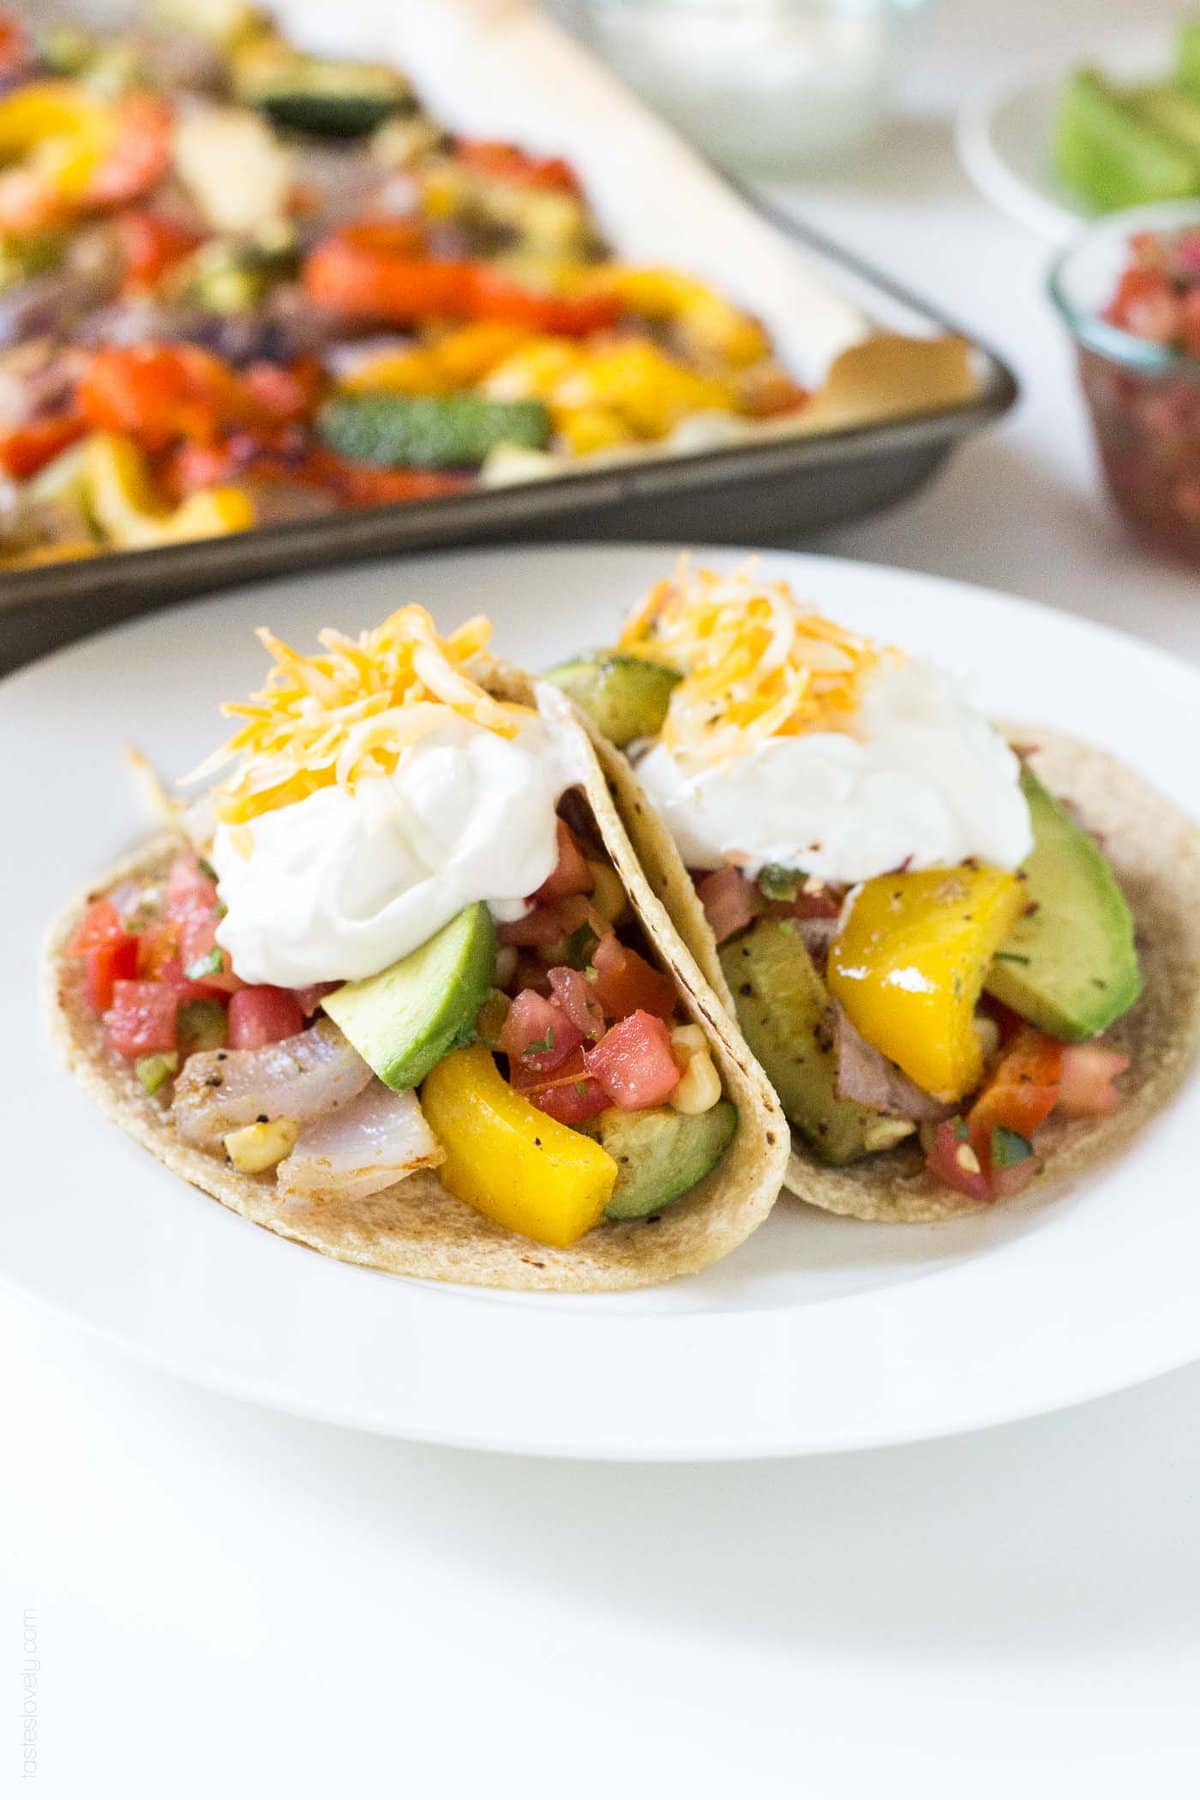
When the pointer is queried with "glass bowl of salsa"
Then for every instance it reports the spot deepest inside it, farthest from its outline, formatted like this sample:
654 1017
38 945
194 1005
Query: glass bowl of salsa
1129 292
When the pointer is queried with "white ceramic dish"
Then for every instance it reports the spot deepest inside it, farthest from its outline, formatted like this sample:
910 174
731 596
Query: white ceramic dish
819 1334
1004 135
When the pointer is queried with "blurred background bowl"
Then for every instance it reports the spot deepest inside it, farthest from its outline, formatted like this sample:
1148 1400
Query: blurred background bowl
1143 396
760 84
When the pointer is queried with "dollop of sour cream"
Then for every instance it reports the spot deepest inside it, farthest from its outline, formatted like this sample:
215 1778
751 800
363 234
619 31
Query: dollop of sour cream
918 779
340 885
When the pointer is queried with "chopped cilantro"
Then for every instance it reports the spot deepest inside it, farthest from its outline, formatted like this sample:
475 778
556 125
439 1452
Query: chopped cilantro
1009 1147
581 944
212 964
540 1046
778 883
1011 956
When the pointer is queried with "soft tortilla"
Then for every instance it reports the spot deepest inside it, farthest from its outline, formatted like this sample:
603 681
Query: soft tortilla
1155 851
416 1228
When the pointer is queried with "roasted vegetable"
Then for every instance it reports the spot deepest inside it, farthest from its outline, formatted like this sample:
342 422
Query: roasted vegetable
909 962
124 505
441 431
509 1159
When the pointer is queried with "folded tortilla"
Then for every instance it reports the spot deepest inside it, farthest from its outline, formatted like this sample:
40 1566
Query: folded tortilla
416 1227
1155 851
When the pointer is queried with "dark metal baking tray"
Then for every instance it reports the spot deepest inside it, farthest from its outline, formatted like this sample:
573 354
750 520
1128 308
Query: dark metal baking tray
769 492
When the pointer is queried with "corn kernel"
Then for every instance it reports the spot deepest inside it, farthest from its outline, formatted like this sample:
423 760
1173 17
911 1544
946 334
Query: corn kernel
699 1086
608 894
258 1147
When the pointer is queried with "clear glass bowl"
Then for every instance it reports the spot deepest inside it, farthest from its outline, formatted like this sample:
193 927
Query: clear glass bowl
770 84
1144 398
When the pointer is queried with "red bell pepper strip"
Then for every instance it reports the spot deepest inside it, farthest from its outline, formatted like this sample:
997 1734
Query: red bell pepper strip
380 272
30 447
506 162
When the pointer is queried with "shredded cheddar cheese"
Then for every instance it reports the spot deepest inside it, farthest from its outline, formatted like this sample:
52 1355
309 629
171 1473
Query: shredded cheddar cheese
755 663
351 711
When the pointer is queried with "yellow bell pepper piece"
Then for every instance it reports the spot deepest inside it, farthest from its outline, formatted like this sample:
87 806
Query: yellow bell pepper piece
59 132
647 388
585 429
711 324
535 371
909 962
456 361
515 1164
122 501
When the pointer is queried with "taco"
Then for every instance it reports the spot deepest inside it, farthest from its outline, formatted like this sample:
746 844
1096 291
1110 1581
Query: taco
967 957
397 989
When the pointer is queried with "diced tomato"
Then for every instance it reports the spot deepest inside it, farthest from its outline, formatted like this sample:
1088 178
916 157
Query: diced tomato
141 1019
150 245
569 1095
1088 1072
541 926
576 995
171 974
633 1062
506 162
570 874
101 924
199 951
158 945
626 983
1023 1090
954 1162
140 156
29 448
107 963
729 900
309 998
537 1034
263 1015
190 889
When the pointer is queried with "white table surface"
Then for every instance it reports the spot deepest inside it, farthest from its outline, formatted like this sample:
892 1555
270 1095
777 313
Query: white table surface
231 1603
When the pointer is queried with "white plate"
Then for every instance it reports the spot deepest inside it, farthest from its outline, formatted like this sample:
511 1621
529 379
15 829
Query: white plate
818 1334
1004 137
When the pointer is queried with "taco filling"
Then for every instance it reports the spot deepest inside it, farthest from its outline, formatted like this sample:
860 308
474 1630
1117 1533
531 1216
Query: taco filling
922 943
395 942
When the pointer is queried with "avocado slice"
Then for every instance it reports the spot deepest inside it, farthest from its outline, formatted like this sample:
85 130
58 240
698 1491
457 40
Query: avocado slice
406 1019
1111 154
786 1016
625 697
1069 965
661 1154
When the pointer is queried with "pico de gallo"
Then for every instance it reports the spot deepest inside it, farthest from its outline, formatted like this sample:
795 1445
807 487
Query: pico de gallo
532 1049
1145 396
242 285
